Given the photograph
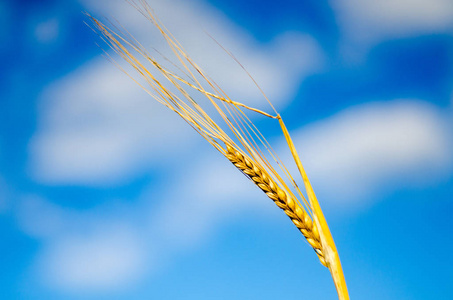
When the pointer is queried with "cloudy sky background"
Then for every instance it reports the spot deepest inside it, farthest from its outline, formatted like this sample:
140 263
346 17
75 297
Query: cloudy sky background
104 194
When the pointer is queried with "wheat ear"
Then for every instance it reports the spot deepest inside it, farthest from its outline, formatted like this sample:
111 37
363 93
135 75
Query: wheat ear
284 201
240 147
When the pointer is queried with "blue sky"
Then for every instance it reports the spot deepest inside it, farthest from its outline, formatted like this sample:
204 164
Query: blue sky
106 195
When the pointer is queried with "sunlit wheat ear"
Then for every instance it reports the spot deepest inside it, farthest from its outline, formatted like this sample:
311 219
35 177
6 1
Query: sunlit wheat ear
243 143
297 214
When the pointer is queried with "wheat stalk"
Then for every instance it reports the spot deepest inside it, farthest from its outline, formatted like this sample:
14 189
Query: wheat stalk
240 147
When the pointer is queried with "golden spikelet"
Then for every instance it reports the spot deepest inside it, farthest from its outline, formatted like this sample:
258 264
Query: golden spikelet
242 147
297 214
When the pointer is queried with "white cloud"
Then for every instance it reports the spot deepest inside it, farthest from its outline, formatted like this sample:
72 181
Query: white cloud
98 127
368 21
114 247
369 148
357 154
278 67
99 250
104 261
209 192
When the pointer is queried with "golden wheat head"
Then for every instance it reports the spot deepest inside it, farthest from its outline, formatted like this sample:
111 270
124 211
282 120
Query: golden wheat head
242 146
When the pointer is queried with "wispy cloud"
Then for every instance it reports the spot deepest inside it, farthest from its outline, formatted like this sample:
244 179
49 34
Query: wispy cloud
109 259
210 192
366 149
116 246
84 252
372 21
97 126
